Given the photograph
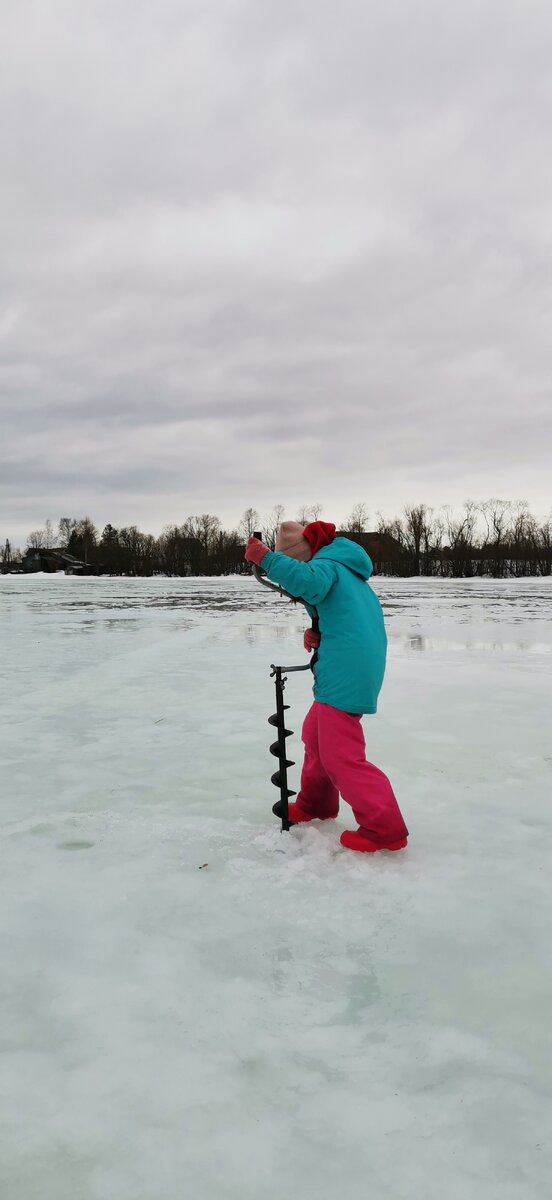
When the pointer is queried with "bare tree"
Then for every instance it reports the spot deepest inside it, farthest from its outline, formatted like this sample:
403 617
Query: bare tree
149 552
83 539
36 540
394 528
384 525
179 551
227 558
543 547
495 514
49 535
65 529
110 550
250 522
522 538
358 519
42 539
202 533
210 528
129 539
417 528
204 527
432 545
308 513
272 524
460 537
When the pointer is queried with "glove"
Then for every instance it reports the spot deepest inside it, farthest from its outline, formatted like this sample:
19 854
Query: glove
311 640
255 551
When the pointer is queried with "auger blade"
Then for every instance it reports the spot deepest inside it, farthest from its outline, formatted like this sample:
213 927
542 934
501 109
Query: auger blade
275 747
277 808
276 778
273 720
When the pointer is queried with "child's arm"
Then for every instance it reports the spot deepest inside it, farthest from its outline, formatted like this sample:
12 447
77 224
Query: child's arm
308 581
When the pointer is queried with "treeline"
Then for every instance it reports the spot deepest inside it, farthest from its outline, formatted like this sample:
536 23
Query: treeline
499 538
494 537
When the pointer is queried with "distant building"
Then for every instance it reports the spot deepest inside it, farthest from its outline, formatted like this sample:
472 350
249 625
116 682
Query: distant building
384 550
50 561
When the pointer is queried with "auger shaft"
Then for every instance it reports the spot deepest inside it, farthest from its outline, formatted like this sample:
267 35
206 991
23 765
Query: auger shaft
278 748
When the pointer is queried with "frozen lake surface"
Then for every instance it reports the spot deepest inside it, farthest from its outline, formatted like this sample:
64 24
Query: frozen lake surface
292 1019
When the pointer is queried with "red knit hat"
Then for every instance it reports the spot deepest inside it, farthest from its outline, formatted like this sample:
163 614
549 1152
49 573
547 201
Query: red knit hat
319 534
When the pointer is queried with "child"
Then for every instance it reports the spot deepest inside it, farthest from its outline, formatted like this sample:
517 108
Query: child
330 574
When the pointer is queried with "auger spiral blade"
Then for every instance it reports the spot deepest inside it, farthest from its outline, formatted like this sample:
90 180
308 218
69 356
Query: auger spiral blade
289 792
275 718
278 810
280 728
277 778
276 748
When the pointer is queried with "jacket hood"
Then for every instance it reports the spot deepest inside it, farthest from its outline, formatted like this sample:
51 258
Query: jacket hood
349 554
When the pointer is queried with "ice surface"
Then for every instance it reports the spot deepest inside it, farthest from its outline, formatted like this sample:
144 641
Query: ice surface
291 1019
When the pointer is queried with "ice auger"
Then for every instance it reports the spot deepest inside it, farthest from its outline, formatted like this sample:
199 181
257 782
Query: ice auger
279 674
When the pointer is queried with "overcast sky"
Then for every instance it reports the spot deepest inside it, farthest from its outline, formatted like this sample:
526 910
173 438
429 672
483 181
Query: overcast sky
273 252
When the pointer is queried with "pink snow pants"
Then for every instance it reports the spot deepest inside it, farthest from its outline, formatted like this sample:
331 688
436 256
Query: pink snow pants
335 761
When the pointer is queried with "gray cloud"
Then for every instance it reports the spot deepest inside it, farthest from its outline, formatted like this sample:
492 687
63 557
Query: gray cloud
258 254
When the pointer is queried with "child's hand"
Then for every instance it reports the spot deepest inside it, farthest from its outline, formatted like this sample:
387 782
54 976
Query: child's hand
311 640
255 551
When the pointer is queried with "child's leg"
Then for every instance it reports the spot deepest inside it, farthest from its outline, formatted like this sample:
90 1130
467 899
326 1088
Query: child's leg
343 756
318 796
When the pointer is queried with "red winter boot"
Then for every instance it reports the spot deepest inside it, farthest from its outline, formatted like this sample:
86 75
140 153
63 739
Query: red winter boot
358 839
296 815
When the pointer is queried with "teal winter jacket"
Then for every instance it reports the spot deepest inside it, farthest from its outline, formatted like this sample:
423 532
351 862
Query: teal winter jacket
351 659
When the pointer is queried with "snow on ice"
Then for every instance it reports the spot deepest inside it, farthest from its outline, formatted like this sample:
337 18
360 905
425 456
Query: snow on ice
290 1018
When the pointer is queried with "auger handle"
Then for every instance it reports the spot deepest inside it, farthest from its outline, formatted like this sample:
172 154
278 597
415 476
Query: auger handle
260 575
